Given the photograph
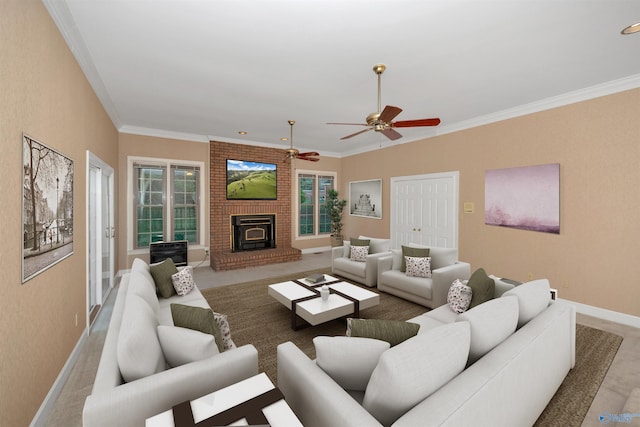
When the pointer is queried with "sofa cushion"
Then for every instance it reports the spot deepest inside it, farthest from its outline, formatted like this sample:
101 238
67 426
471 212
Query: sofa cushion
199 319
183 281
533 298
181 345
141 286
491 323
418 286
412 252
138 349
418 266
482 286
142 267
442 257
392 331
459 296
377 245
348 266
409 372
162 273
359 253
349 361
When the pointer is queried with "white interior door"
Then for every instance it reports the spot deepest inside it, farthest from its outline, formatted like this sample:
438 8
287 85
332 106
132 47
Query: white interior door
424 210
100 233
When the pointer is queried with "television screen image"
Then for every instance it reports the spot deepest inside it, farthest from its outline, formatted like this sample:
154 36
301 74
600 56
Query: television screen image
251 180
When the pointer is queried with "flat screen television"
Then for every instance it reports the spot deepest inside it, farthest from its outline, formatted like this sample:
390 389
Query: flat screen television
177 251
248 180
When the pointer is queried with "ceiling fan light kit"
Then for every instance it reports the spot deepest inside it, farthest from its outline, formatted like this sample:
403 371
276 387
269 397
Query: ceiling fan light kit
381 121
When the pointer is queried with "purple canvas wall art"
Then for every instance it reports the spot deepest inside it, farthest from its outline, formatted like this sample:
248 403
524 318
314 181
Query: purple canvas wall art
526 198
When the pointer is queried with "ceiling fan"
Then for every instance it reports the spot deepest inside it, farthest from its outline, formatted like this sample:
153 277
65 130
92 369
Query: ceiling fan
380 121
292 153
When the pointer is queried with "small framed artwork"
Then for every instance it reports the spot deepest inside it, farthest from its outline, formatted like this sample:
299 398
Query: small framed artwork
365 198
47 207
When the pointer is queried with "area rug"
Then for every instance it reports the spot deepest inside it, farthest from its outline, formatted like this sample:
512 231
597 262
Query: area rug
256 318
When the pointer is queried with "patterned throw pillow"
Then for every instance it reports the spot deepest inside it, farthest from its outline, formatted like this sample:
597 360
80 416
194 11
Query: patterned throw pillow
418 266
459 296
183 281
359 253
225 330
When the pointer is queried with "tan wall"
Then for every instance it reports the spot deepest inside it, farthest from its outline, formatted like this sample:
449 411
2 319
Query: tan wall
45 95
593 259
162 148
326 164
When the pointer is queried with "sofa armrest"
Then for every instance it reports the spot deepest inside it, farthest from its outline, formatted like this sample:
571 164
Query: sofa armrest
315 398
337 252
132 403
443 278
371 268
385 263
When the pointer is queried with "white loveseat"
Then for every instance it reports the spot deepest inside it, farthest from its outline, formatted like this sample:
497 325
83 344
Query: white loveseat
362 272
432 293
509 379
133 334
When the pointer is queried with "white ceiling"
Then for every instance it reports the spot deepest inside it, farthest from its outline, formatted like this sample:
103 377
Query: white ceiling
206 69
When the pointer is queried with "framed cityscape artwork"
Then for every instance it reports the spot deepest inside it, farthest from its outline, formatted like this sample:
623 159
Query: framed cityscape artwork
47 207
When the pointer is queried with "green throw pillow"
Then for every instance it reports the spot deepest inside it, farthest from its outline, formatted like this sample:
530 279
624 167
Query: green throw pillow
161 273
482 286
198 319
357 242
392 331
414 252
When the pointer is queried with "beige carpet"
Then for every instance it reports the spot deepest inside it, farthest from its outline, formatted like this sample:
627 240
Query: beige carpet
256 318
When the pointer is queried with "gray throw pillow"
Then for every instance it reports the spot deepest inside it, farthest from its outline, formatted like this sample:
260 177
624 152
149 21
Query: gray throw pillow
198 319
392 331
412 252
162 273
482 286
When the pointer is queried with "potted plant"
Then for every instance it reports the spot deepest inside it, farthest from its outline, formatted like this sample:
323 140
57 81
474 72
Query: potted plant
334 207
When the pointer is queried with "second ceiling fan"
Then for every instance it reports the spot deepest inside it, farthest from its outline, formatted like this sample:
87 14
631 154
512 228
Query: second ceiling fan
381 121
292 153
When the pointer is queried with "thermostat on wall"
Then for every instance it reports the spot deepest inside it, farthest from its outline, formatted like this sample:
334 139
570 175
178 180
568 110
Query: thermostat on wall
468 207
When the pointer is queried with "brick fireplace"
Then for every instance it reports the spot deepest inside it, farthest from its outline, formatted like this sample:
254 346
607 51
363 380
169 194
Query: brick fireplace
223 212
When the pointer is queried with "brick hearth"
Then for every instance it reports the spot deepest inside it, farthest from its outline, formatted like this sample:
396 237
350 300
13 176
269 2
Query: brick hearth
221 209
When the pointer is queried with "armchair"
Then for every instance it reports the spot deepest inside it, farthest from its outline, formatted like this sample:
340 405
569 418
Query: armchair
361 272
432 293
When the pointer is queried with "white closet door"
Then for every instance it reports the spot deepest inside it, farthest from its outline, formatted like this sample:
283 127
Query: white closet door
424 210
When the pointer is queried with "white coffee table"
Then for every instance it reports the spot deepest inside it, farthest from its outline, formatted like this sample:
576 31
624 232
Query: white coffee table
233 405
304 301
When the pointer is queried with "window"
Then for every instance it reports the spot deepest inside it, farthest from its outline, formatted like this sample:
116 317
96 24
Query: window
312 189
167 202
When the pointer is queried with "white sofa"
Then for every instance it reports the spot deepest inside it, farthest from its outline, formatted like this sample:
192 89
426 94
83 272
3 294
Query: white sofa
432 293
362 272
133 333
509 385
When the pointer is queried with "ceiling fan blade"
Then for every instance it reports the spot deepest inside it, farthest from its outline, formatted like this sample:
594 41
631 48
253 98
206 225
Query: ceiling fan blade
310 153
311 159
416 123
350 124
391 134
389 113
355 134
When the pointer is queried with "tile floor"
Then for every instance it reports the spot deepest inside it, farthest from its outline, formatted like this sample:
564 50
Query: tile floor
623 375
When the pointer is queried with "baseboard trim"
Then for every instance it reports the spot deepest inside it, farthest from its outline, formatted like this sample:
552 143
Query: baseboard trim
603 313
314 250
40 419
